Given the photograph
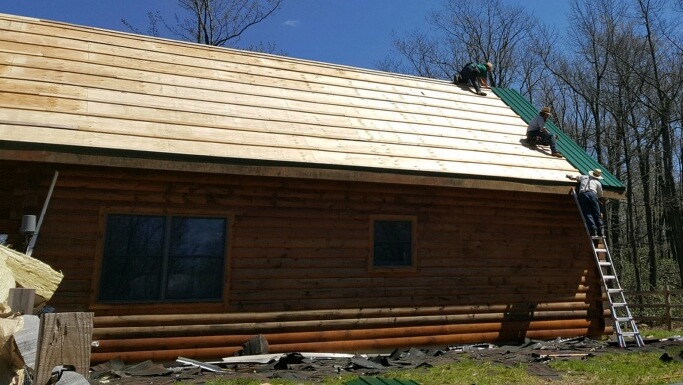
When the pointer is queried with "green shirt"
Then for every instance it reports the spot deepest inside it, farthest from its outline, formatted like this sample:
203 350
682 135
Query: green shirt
482 71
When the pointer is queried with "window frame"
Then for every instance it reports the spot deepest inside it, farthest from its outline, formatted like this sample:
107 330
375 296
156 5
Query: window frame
96 303
413 244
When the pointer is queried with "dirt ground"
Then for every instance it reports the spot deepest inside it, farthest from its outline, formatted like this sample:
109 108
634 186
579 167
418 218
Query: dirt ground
312 368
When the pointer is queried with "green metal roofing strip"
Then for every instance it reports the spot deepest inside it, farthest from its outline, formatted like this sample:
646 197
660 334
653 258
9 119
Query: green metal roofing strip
379 381
574 154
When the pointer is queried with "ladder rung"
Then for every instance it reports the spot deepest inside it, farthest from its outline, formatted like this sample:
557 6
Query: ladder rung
608 274
629 334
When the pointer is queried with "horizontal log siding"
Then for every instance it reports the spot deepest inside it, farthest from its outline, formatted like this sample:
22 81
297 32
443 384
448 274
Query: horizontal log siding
490 265
353 341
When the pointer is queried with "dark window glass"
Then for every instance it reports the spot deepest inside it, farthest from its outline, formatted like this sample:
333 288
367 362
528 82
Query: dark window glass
158 258
392 243
133 257
197 252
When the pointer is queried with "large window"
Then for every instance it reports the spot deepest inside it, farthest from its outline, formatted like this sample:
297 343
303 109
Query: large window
393 243
153 258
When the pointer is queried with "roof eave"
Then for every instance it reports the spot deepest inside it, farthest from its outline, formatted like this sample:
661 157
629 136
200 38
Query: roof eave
184 163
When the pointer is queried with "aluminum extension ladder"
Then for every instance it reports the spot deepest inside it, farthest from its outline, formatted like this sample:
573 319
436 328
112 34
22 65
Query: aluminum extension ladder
624 324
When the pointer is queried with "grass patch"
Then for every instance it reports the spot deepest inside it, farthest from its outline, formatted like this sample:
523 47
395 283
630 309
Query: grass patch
621 368
658 333
467 372
614 368
464 372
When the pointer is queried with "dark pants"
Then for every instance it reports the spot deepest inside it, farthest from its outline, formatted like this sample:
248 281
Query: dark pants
543 137
469 76
590 207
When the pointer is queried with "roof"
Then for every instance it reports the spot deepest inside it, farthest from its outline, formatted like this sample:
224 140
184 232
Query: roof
80 91
574 154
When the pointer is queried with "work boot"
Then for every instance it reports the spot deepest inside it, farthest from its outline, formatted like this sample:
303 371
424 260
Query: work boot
556 155
481 93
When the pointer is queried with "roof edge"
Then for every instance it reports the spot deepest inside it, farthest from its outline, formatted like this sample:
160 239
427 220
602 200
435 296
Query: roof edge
274 169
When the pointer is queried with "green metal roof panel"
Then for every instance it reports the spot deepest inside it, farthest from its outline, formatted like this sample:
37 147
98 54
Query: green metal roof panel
379 381
574 154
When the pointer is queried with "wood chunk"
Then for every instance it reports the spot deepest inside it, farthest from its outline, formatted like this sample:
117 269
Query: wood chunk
27 339
255 345
64 339
21 300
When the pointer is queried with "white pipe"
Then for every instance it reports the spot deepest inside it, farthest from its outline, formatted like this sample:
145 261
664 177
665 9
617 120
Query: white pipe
32 242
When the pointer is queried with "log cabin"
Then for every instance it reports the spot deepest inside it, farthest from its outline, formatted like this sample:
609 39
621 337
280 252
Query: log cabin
195 197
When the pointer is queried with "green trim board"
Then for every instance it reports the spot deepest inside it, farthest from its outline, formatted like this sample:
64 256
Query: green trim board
574 154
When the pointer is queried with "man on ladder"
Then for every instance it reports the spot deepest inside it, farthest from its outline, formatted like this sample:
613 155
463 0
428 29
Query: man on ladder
590 194
586 195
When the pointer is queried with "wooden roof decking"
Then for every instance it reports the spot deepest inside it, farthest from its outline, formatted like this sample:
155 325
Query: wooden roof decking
75 89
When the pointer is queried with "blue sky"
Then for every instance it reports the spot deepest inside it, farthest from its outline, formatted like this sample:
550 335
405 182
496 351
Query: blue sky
348 32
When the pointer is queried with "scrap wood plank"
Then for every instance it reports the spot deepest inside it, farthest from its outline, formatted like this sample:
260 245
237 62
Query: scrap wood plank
64 339
27 339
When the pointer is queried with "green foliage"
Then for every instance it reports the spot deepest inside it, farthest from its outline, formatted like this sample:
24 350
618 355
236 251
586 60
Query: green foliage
667 271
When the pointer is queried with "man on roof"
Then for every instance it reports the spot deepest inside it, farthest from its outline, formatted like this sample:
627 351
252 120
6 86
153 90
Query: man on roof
536 133
474 74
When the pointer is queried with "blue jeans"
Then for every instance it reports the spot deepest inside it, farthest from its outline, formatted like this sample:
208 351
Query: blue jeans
545 138
590 207
469 76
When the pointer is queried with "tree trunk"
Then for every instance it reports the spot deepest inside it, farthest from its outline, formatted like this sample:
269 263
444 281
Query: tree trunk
672 207
632 236
644 166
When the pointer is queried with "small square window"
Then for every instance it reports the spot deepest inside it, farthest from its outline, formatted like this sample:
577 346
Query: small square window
393 243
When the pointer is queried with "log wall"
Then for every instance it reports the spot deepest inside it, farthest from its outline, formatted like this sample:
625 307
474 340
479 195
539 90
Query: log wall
491 265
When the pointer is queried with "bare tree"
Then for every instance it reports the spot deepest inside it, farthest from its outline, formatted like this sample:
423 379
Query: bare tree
487 30
667 86
214 22
419 54
469 31
585 71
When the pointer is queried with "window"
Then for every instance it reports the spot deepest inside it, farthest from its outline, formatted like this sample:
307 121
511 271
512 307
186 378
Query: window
152 258
393 243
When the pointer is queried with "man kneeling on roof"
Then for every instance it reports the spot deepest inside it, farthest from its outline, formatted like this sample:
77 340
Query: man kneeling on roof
474 75
537 133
